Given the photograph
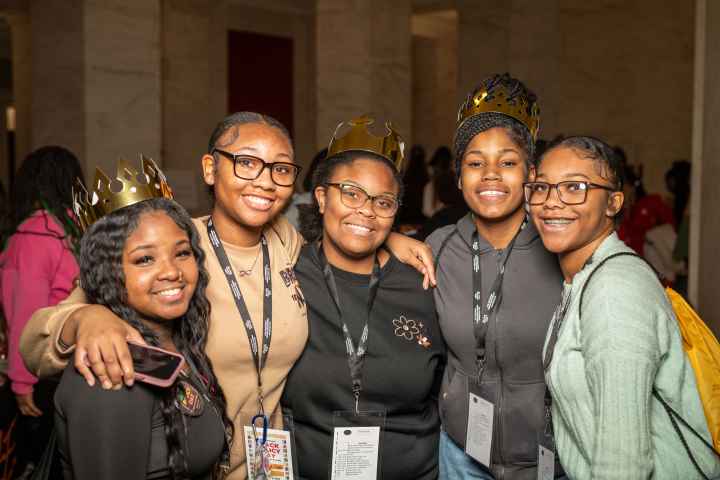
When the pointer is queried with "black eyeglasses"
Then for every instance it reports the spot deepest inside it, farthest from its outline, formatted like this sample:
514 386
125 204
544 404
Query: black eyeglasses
352 196
248 167
571 192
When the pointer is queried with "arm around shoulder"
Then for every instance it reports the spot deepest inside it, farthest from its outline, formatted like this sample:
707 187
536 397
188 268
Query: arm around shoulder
39 346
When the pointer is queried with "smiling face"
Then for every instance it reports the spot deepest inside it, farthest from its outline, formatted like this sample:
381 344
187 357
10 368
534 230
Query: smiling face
575 229
355 233
160 270
249 204
491 176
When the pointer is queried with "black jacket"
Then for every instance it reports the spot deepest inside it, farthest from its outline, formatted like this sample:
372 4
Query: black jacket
513 378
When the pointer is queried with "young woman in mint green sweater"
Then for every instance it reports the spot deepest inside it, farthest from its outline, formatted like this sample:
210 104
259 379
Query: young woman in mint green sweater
603 368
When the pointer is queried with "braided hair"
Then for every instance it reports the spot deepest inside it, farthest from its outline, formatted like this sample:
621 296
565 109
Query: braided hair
519 133
102 278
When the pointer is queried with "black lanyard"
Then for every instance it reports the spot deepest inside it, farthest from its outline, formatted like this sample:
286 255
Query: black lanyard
558 318
356 356
222 257
484 312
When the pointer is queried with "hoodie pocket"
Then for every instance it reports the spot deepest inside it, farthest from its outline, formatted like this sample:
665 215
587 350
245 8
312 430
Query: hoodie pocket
454 405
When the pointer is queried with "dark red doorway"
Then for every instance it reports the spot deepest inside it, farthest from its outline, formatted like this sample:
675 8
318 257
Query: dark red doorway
260 75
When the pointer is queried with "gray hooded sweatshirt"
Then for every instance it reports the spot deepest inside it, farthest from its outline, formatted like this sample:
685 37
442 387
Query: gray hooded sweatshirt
513 378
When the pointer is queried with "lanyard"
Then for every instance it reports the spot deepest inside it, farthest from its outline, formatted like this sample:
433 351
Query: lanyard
356 355
258 357
558 318
483 312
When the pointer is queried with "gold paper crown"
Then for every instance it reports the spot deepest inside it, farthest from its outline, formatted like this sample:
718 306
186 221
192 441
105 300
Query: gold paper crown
497 98
127 188
359 138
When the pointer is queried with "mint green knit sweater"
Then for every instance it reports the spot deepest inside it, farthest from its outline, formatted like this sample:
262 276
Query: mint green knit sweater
604 367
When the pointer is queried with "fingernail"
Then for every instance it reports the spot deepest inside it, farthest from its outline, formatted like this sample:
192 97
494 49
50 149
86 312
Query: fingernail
117 387
107 385
129 382
91 382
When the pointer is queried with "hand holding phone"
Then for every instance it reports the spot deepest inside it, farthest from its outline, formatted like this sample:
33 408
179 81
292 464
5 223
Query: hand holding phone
154 365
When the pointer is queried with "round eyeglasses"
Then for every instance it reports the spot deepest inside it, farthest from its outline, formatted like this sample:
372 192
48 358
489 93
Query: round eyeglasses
352 196
248 167
571 192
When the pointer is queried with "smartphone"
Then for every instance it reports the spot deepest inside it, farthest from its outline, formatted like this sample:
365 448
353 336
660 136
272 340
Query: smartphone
154 365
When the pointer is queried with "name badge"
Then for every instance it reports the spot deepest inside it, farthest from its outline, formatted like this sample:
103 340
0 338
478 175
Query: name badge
355 453
478 442
546 463
271 459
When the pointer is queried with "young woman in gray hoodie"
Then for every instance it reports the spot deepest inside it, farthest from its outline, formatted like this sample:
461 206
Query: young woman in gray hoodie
497 289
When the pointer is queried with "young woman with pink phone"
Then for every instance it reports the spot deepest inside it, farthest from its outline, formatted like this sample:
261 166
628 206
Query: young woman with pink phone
143 261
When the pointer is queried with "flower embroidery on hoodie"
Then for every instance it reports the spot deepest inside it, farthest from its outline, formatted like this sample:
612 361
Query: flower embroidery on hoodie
410 330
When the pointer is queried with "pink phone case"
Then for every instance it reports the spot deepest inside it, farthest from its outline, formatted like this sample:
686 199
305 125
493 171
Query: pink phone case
160 382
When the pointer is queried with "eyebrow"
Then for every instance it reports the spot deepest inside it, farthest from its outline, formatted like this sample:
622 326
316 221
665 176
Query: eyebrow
482 153
253 149
567 175
149 246
355 184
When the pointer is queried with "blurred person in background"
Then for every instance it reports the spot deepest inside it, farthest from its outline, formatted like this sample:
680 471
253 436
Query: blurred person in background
38 268
415 178
440 164
304 198
453 204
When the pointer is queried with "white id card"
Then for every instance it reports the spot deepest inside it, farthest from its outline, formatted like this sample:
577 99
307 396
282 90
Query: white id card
277 451
355 453
479 429
546 464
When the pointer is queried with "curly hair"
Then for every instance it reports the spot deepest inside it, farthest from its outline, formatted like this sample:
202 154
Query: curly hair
519 133
311 220
45 181
102 278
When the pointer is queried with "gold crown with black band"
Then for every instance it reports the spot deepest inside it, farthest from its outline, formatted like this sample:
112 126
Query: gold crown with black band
128 187
359 138
497 98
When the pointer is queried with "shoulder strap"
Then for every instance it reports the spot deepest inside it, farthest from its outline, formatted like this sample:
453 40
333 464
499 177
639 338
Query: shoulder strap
602 262
443 245
672 414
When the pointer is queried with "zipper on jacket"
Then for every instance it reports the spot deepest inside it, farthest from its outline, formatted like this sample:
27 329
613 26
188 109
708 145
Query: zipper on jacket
501 385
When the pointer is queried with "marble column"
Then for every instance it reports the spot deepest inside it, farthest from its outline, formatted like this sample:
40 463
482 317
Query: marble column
122 84
704 218
521 37
86 76
363 63
57 79
22 83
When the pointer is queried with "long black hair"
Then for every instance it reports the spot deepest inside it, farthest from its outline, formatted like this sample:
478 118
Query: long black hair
44 182
311 222
102 278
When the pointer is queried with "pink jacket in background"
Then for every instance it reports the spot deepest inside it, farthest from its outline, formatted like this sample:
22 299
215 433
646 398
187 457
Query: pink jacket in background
37 269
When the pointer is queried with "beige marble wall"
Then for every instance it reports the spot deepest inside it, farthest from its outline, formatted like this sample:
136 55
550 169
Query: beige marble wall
704 220
435 78
122 87
363 63
618 70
